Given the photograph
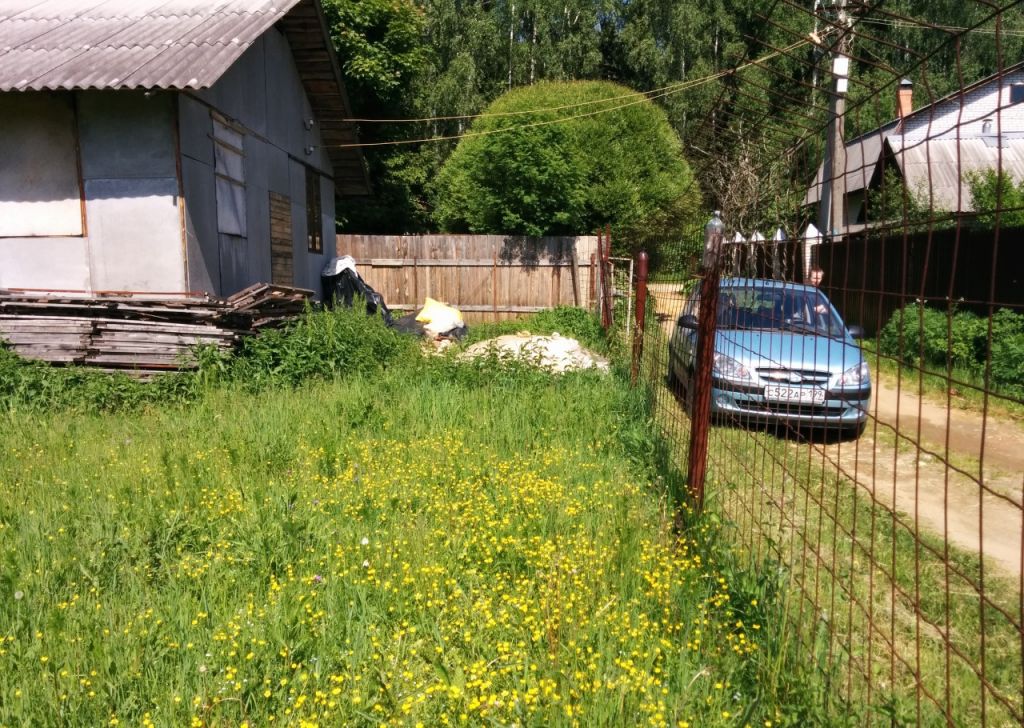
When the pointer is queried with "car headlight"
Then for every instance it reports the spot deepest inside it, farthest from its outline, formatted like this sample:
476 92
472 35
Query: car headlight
728 368
855 376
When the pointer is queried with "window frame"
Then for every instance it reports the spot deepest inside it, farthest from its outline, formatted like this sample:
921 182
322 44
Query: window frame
1016 93
224 175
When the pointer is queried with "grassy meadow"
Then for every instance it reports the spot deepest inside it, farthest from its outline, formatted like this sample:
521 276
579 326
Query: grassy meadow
365 536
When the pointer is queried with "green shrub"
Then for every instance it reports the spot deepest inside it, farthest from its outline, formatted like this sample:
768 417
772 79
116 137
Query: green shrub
39 387
552 172
928 337
1007 369
318 345
922 336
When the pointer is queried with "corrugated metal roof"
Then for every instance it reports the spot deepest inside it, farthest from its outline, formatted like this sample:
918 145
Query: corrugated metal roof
939 169
171 44
174 44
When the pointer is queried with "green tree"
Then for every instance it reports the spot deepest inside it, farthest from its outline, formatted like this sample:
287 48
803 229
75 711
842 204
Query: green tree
381 48
586 154
759 131
992 193
893 202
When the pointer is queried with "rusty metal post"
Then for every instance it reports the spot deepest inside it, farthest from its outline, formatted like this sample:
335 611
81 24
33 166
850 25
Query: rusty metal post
592 283
606 283
699 391
641 314
599 300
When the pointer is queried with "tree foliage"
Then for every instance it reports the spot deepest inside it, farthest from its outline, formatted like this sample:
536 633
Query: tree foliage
894 202
993 193
381 48
754 139
611 158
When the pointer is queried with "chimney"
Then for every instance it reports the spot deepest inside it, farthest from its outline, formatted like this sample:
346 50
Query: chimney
905 99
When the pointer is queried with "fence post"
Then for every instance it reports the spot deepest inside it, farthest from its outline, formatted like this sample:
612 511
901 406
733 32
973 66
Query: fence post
699 390
606 284
641 313
592 284
599 279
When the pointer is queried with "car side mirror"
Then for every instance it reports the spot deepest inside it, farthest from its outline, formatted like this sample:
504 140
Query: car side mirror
856 332
688 321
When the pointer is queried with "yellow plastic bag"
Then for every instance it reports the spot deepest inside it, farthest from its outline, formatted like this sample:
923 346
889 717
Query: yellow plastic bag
439 317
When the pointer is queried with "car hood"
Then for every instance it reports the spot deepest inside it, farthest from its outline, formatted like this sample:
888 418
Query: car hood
788 350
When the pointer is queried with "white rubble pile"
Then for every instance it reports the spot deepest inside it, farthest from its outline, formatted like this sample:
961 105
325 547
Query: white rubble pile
555 352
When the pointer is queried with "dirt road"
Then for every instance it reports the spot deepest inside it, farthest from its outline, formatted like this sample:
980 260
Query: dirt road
931 469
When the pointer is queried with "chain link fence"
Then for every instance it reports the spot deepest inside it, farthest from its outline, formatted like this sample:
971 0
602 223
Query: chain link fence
847 393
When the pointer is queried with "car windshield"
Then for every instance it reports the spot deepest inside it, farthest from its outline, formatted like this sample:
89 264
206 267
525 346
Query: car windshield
779 309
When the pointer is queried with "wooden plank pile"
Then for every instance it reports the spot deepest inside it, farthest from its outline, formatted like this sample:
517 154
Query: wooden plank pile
267 305
139 333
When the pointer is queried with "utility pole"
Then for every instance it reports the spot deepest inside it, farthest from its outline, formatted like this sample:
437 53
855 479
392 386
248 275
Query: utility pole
832 206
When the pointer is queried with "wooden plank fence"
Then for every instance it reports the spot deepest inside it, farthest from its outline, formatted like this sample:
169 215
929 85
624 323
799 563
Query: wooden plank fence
487 277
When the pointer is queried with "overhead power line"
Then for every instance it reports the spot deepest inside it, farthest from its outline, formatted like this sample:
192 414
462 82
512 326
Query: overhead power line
945 28
637 97
653 93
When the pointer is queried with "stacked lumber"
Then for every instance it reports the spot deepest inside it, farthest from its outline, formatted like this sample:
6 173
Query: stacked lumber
267 304
139 333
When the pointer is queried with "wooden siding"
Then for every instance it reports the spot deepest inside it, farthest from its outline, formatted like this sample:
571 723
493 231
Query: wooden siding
487 277
282 255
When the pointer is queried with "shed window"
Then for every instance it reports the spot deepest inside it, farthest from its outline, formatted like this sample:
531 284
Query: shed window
314 218
229 167
1017 93
40 187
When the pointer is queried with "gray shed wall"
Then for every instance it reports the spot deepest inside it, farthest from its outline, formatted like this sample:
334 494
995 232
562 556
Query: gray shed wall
132 239
262 95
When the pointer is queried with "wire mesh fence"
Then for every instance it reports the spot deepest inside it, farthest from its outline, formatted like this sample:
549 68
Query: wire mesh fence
863 372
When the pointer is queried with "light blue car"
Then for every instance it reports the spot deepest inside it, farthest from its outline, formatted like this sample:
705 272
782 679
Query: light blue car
782 355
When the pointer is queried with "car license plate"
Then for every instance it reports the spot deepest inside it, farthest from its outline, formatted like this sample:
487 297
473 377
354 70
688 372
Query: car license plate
797 395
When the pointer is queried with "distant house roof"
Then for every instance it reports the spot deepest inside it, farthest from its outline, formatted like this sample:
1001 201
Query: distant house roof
862 155
173 44
942 165
935 145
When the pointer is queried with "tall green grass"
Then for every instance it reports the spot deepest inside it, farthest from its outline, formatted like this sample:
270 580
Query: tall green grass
394 539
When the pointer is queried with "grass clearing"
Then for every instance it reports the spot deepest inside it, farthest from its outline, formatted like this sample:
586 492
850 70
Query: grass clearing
422 543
